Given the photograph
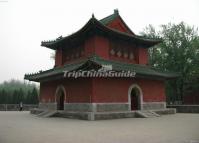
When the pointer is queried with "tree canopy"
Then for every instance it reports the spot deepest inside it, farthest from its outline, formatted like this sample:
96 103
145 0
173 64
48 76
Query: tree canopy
15 91
178 52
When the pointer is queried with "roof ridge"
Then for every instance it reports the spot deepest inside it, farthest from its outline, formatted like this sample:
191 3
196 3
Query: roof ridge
108 19
131 35
91 22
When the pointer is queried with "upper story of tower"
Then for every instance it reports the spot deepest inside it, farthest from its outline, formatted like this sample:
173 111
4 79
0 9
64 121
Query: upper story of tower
109 38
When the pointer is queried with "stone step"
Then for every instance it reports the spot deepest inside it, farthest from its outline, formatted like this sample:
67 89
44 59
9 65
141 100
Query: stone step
47 113
146 114
42 113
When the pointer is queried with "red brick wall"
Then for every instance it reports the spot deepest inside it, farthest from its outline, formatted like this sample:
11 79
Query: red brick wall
153 90
100 90
123 47
102 47
47 91
143 56
71 54
110 90
77 90
116 90
89 46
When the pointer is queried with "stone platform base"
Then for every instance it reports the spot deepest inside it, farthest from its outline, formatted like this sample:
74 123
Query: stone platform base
95 116
91 116
185 108
165 111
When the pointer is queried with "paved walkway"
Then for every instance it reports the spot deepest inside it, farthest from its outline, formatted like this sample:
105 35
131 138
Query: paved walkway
22 127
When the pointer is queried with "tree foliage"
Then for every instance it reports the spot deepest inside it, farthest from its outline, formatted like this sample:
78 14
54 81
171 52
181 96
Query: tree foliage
178 52
14 92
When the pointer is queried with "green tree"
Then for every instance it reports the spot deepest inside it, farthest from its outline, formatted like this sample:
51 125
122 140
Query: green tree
3 96
21 95
15 91
34 96
14 97
178 52
28 98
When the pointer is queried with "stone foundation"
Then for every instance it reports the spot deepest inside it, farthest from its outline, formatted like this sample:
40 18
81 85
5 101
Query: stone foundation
185 108
48 106
111 107
165 111
91 116
101 111
78 107
87 107
102 107
96 107
153 105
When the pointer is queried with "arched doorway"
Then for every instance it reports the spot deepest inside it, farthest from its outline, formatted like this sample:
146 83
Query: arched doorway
135 97
60 97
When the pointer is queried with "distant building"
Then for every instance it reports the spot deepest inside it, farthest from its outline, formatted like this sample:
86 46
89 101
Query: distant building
102 44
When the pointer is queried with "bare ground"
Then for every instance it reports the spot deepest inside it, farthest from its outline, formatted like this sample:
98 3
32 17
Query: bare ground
22 127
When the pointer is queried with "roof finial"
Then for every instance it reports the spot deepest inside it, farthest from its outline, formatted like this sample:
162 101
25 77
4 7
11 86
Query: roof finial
93 16
116 11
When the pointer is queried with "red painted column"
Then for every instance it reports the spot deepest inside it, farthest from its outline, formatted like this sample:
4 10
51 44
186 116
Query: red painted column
89 46
142 56
58 57
102 47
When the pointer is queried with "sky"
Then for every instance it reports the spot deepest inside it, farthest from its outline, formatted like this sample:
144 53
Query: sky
25 23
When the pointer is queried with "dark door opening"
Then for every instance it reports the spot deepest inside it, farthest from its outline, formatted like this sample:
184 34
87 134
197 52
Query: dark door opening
60 100
135 99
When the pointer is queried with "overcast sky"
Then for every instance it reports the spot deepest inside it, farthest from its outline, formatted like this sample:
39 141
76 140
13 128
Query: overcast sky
25 23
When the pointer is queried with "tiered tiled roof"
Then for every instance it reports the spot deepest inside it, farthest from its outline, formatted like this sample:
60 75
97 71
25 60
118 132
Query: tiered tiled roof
140 70
95 26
